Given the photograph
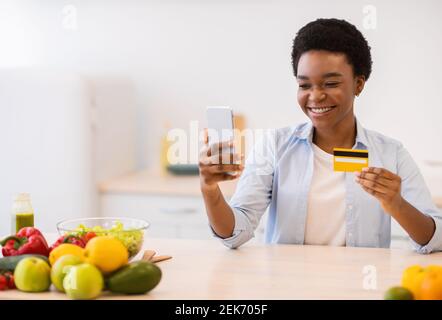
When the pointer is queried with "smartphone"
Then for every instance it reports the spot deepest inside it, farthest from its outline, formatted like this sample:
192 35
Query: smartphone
220 129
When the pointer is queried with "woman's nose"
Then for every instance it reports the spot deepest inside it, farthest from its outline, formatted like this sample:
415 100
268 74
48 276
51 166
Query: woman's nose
316 95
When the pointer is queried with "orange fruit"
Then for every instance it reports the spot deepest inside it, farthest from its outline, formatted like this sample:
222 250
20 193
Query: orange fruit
424 283
431 286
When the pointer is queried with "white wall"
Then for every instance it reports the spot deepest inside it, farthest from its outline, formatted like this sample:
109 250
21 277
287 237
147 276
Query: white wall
184 55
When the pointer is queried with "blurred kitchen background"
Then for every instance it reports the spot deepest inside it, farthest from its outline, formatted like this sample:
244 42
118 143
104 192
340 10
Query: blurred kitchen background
88 90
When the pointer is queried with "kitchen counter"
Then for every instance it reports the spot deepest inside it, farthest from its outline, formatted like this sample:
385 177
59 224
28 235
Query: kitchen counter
205 269
147 182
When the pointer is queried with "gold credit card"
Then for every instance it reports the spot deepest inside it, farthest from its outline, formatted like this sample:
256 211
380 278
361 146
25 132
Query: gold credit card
349 159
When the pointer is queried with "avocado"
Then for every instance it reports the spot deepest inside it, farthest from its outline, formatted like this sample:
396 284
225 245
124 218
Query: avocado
135 278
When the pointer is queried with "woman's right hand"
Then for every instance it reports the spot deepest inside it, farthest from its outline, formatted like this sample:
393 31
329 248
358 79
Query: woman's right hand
212 169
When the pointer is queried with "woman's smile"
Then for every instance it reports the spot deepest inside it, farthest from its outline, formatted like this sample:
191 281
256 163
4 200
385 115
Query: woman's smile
322 111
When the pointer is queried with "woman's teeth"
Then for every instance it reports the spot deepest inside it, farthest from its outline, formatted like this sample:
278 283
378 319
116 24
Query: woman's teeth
320 110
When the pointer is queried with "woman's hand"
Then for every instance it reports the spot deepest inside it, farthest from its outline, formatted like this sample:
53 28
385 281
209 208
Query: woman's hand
384 186
212 168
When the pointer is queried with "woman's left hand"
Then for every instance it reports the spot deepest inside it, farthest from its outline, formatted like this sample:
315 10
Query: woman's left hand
384 186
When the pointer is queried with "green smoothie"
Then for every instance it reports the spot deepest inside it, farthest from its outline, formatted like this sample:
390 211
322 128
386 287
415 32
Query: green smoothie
24 220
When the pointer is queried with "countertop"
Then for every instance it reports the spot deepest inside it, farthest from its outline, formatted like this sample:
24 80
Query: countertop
149 182
205 269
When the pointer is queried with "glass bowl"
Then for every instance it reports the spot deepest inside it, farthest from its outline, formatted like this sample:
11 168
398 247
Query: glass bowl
129 231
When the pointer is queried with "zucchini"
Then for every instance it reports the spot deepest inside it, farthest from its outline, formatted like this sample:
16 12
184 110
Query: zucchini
9 263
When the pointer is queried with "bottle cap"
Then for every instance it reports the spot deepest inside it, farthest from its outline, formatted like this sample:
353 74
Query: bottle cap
22 197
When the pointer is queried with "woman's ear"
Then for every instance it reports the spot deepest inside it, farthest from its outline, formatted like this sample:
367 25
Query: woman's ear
359 85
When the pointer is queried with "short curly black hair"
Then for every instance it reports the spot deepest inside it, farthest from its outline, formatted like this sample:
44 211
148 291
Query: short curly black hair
336 36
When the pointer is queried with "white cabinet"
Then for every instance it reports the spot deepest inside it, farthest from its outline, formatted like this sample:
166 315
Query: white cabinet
169 216
399 238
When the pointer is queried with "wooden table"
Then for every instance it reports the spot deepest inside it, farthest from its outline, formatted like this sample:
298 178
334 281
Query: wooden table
205 269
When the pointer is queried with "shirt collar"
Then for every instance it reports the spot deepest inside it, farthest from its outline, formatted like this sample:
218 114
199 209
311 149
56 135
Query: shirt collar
306 133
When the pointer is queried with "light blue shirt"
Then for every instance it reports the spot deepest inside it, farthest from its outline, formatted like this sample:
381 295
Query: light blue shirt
278 172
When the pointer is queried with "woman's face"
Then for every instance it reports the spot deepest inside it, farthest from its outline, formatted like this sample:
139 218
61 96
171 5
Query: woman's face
327 88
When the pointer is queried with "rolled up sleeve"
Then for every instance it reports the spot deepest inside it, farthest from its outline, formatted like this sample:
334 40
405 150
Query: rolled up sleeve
241 232
415 191
435 243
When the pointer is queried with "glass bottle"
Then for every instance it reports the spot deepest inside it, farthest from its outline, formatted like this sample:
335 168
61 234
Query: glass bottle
22 212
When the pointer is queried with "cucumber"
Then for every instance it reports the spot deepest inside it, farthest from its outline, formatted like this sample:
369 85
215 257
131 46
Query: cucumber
9 263
136 278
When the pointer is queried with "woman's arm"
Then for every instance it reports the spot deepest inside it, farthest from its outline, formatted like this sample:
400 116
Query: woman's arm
220 214
419 226
386 187
212 171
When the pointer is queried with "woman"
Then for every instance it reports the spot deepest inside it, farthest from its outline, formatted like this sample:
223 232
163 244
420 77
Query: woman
291 169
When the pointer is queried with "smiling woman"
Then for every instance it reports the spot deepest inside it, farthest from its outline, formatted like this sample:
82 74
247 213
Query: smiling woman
331 61
311 202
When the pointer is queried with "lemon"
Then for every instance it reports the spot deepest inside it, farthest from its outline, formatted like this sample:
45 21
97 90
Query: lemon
106 253
398 293
64 249
412 280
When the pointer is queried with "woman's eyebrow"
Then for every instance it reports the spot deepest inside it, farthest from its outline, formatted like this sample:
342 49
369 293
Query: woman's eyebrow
332 74
326 75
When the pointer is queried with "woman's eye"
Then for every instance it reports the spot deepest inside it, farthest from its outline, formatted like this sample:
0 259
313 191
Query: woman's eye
304 86
332 84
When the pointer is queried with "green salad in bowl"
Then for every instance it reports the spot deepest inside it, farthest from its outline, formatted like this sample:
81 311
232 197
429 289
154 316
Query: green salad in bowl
129 231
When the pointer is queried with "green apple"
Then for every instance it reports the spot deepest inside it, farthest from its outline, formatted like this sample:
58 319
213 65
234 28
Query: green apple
83 281
60 269
32 275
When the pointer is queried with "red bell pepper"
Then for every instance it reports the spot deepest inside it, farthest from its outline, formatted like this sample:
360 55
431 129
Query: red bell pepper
72 239
28 240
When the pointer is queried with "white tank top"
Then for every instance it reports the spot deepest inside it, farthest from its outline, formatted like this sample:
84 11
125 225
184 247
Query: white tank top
325 224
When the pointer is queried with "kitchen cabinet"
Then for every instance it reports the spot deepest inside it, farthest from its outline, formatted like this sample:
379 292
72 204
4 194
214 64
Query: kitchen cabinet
168 216
173 205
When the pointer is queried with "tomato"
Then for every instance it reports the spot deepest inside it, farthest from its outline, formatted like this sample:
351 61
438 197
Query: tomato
88 236
3 282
